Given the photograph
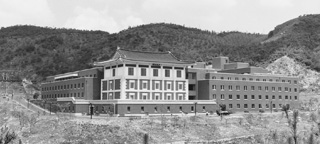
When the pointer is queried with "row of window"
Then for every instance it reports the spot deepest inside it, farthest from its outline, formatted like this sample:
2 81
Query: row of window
257 79
245 88
168 109
63 87
245 97
253 106
155 72
63 95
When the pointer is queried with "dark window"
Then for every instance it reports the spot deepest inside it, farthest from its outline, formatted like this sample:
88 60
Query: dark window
192 108
267 97
245 105
253 106
260 97
128 109
143 71
167 73
130 71
142 109
230 96
245 97
155 72
179 73
273 97
113 72
252 96
168 108
238 96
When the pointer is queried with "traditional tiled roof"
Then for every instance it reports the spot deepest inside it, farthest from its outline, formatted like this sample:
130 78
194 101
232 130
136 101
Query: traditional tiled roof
157 57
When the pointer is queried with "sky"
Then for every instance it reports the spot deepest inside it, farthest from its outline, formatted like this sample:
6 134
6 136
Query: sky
254 16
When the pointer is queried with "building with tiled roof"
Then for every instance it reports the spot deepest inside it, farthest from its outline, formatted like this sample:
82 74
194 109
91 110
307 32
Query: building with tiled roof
137 82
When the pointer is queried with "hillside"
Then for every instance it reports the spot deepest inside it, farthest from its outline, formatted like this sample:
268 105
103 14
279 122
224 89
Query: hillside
38 52
309 80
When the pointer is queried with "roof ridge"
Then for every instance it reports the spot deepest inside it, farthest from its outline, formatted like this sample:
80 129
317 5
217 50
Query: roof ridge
145 51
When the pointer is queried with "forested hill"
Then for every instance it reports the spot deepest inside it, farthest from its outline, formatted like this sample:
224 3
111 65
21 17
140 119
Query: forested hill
38 52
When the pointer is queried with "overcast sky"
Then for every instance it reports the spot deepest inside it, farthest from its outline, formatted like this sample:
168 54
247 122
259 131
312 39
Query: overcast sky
259 16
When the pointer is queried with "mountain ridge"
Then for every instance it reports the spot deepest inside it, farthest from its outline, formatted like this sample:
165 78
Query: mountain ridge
41 51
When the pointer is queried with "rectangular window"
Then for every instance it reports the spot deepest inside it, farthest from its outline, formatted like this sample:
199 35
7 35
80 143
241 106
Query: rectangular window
230 106
260 106
295 97
260 97
286 89
273 88
259 88
238 106
267 97
144 85
230 87
286 97
279 88
230 96
155 109
167 73
280 97
222 96
157 86
267 105
273 97
142 109
245 105
245 88
238 97
155 72
168 85
213 87
252 97
245 97
143 72
132 85
214 96
252 87
168 108
179 73
237 87
113 72
130 71
253 106
266 88
180 86
222 87
128 109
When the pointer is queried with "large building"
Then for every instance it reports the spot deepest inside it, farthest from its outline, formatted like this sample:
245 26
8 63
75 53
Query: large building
241 87
135 82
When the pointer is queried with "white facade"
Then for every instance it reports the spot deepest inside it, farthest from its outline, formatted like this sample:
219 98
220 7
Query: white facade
144 81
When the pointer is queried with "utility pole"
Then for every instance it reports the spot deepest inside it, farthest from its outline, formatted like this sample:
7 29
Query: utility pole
271 106
91 110
195 108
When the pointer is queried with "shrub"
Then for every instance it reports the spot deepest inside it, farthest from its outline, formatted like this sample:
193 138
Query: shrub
275 110
246 111
261 111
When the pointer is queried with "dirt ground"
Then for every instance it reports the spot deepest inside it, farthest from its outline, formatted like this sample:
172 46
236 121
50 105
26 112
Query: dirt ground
33 127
